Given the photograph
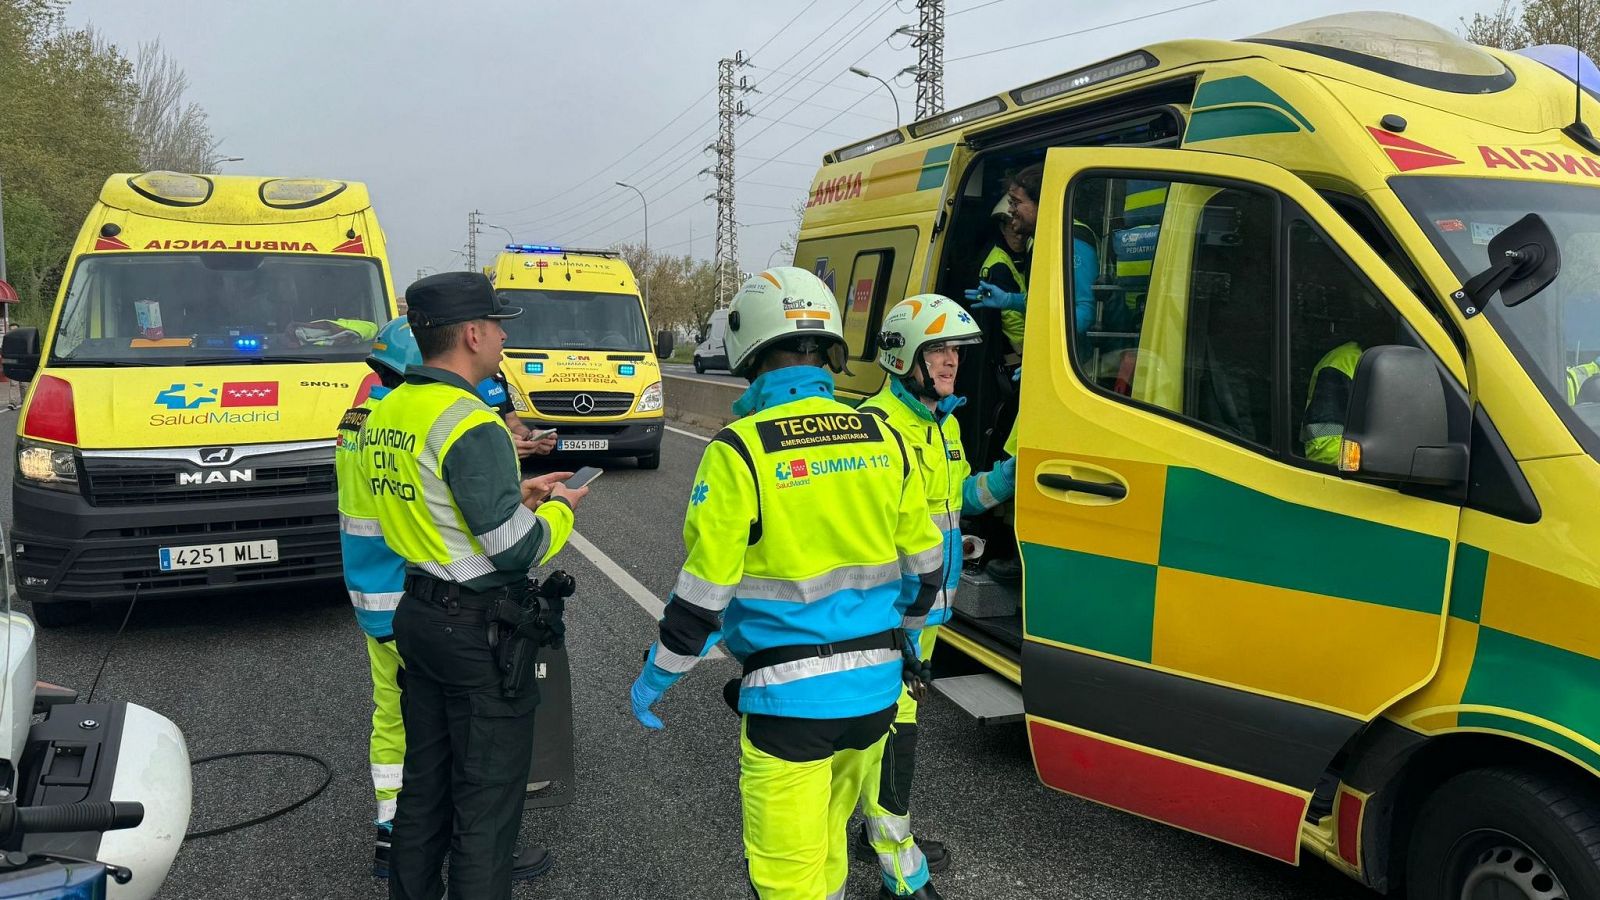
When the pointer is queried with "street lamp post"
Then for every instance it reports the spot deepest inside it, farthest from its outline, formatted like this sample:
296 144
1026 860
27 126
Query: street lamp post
865 74
646 204
509 236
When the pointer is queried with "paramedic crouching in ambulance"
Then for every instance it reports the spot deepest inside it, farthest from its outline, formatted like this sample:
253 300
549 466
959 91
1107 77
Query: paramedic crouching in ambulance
443 470
920 348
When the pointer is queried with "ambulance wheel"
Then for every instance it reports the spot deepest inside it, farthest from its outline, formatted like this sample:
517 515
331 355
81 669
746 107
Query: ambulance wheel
699 366
650 461
61 613
1508 834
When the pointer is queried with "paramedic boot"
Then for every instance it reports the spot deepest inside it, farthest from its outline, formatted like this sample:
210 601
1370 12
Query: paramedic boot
531 862
380 850
1006 571
926 892
933 851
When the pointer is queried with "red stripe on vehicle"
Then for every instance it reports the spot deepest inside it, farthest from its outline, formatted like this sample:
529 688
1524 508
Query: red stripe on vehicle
1242 812
1350 828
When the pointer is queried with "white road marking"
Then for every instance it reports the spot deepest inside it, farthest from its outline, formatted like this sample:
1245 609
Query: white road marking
629 585
699 437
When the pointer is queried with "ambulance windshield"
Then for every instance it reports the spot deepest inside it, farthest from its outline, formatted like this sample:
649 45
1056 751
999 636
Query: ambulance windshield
575 320
168 309
1556 333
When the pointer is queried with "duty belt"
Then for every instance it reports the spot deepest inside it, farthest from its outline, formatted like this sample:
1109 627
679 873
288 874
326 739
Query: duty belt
450 593
893 639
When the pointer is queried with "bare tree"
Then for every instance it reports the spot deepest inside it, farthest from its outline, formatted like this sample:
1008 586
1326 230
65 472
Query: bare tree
172 133
1501 28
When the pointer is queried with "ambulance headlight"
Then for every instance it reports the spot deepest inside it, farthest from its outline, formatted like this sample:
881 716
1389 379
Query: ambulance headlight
650 399
47 465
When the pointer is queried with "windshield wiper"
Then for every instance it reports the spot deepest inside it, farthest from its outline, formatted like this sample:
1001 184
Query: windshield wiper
101 363
252 360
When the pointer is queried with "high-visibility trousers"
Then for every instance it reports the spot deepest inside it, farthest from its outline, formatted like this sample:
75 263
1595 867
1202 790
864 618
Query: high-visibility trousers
387 752
886 794
799 780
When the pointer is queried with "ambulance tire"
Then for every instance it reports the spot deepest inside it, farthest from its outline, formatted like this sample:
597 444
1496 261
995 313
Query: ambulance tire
61 613
1521 832
650 460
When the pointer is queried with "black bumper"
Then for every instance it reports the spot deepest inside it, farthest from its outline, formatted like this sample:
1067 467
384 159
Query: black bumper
64 548
637 437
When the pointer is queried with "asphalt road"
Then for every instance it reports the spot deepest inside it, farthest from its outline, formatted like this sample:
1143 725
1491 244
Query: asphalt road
657 814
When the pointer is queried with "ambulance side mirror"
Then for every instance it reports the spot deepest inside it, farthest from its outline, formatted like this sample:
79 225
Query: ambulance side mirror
1397 429
19 350
664 344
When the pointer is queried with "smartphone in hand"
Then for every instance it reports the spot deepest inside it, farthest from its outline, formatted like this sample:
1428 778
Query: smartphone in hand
540 435
582 477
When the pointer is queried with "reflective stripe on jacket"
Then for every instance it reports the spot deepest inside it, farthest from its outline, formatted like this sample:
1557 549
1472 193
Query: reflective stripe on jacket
803 517
935 445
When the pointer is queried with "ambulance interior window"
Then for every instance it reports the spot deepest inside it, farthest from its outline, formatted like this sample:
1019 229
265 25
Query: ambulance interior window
1181 314
1334 314
1228 354
863 300
1361 217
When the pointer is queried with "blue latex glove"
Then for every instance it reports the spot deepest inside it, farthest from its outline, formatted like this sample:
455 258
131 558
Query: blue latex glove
1016 377
987 296
652 682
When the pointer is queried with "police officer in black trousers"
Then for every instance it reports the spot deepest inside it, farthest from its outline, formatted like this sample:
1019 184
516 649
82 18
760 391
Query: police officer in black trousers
442 467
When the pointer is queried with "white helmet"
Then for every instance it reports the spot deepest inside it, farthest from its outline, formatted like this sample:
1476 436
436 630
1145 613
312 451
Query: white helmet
783 302
916 323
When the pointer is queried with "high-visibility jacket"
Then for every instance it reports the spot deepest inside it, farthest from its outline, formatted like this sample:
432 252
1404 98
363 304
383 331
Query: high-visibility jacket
445 477
374 575
1576 376
803 517
934 442
1327 401
1001 270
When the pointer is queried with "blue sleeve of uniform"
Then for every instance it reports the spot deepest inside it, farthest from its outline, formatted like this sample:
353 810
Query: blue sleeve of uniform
1085 266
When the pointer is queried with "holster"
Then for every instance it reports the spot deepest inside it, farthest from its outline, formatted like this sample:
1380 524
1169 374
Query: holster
519 631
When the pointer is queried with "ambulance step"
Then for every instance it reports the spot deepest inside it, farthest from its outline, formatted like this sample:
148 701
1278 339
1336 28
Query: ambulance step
990 699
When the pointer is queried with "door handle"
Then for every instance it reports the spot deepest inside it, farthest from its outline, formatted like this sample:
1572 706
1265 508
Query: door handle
1097 488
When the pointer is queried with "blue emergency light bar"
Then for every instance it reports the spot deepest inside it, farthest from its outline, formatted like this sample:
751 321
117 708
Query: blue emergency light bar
551 248
247 343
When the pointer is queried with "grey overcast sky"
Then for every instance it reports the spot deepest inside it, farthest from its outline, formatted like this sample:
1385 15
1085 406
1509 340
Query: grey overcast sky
529 111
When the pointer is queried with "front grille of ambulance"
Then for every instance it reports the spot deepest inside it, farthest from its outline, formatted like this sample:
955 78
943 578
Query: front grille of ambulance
571 403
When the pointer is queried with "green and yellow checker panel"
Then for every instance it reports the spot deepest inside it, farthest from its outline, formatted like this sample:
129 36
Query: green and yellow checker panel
1206 578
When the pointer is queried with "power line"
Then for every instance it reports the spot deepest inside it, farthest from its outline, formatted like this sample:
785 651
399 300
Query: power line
837 134
842 87
1159 12
800 141
640 146
972 8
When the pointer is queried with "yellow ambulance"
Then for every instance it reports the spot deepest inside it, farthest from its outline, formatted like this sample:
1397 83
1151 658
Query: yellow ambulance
177 438
1309 439
580 359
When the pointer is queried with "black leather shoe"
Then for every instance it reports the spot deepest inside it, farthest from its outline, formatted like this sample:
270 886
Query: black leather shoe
926 892
531 862
934 852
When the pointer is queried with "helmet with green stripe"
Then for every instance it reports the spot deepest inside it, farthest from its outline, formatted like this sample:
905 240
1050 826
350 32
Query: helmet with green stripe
921 323
784 306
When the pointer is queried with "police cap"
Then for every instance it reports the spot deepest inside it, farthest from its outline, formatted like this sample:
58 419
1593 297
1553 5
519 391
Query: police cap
451 297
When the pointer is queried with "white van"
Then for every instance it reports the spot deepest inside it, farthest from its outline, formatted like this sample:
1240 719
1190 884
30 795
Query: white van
711 352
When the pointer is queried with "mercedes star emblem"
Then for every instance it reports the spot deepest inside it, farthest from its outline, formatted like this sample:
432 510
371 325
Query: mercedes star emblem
583 404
